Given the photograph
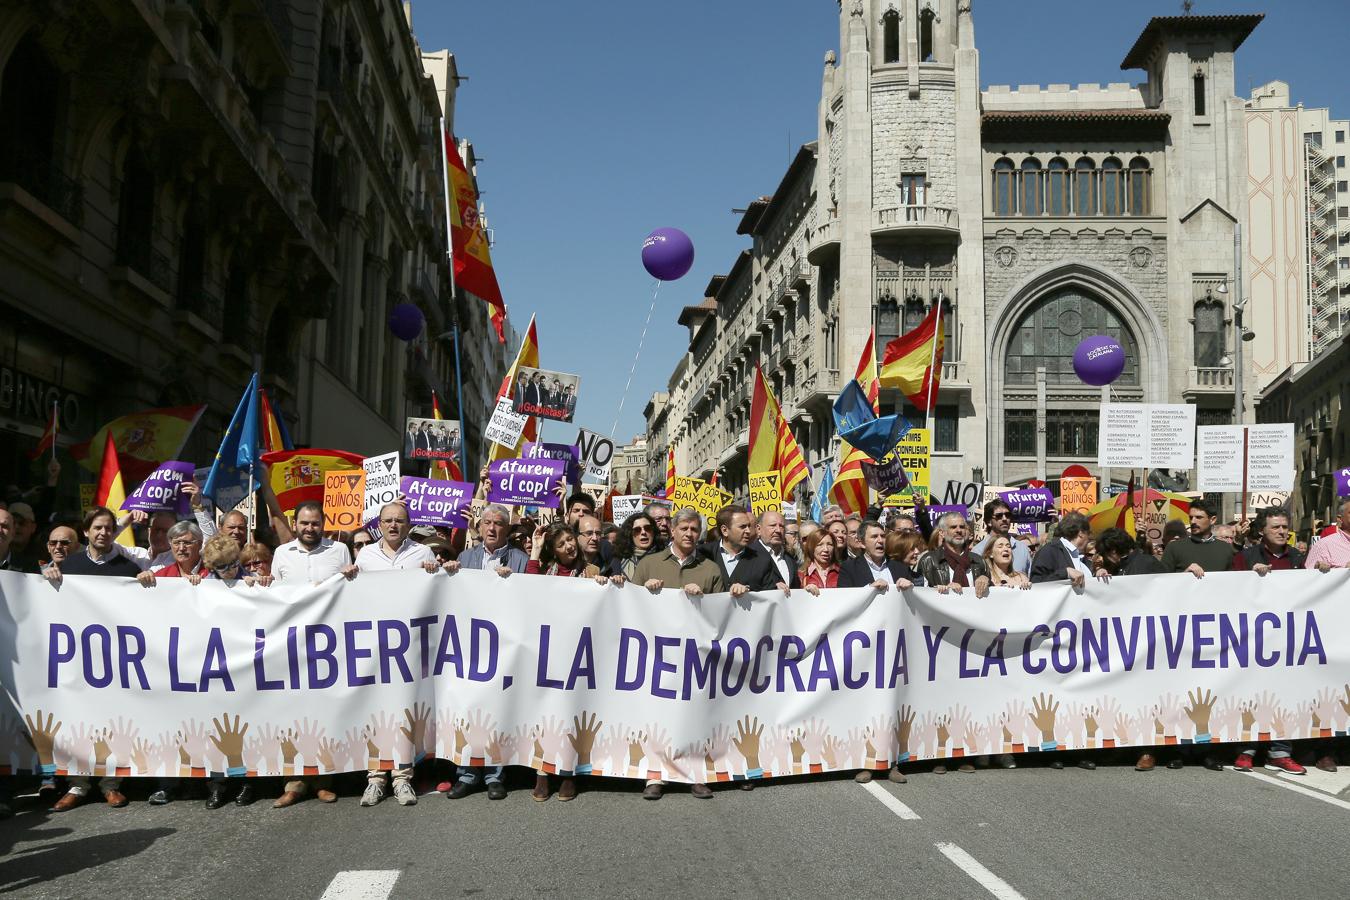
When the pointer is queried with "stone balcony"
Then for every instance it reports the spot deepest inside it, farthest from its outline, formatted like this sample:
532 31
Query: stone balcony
1208 380
824 243
915 221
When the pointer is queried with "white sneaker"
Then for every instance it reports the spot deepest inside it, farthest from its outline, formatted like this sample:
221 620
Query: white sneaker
374 793
404 793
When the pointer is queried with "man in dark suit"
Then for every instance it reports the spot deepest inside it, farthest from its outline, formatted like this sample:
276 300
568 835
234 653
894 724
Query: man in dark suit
743 567
873 568
773 543
1061 559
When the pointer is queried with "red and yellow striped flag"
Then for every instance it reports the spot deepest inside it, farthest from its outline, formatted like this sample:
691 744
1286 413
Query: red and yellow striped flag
913 361
850 489
444 469
110 491
468 239
772 446
670 472
528 356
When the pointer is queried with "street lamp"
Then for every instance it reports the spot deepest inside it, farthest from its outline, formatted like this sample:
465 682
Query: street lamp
1241 335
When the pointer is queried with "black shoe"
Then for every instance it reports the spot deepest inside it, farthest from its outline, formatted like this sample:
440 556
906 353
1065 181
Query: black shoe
1213 764
159 798
1056 763
1175 764
5 810
215 798
245 796
747 785
496 790
461 790
1087 764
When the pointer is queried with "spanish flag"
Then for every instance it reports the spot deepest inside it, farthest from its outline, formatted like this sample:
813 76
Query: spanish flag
297 475
111 492
528 357
772 446
913 361
48 439
147 438
469 250
670 472
850 489
274 433
445 470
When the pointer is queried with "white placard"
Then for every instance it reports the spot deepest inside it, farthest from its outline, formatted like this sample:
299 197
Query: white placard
789 511
1122 437
1146 435
1219 458
505 425
382 475
625 506
597 454
1270 457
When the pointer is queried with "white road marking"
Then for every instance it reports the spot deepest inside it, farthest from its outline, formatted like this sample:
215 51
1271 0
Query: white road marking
1287 782
361 884
888 800
1334 783
972 867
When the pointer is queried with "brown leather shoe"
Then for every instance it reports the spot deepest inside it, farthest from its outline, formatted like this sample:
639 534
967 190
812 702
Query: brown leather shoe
542 791
863 777
290 798
567 790
325 795
69 800
747 785
1326 764
115 799
652 792
896 775
701 791
1146 763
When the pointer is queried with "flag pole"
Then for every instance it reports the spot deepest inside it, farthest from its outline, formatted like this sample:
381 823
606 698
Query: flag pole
252 505
55 426
454 305
932 365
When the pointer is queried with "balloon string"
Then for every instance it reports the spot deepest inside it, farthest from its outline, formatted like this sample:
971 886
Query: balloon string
636 356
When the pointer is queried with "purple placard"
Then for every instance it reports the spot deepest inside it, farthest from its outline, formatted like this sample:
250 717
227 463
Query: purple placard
1343 482
160 490
1030 504
937 512
568 453
435 502
526 482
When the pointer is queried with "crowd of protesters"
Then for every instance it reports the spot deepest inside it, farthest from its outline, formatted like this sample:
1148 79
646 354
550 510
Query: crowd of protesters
737 553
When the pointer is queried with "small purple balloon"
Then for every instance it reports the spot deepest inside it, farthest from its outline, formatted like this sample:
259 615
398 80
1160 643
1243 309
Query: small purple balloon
667 254
1099 359
405 321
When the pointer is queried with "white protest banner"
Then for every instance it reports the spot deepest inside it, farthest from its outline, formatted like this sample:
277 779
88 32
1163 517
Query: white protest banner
1219 458
505 426
597 454
1257 500
1269 455
625 505
382 478
789 511
1146 435
719 689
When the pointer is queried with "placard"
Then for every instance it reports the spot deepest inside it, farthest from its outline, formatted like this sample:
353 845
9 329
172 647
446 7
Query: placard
160 491
526 482
764 495
1030 504
1343 482
506 425
431 439
1077 495
912 454
1146 435
344 499
597 454
686 493
1270 457
625 506
968 494
382 476
711 499
568 454
1259 500
546 394
432 501
789 511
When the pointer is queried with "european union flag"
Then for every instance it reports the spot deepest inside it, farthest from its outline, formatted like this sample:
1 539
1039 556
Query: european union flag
856 423
228 468
851 408
822 497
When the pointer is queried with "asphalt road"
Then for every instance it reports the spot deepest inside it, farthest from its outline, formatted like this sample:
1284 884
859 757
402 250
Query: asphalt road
1033 833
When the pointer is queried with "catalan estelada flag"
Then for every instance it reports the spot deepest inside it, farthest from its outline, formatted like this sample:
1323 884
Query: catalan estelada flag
528 357
145 439
913 361
444 469
469 249
111 492
670 471
772 446
274 434
297 475
850 489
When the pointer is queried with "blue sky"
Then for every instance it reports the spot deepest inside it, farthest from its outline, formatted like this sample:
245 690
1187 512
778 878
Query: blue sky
597 121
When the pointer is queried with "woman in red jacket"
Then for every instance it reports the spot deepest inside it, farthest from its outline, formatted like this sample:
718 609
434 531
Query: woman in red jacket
821 569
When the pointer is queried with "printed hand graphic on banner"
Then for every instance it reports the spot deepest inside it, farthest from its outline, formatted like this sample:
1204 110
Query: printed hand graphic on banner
972 739
1248 716
615 749
776 750
1264 712
716 751
1345 709
748 733
927 734
165 754
14 744
141 751
1107 710
830 753
445 734
42 736
1170 714
307 735
859 749
1200 709
229 740
289 751
1016 724
122 737
943 734
261 750
1043 709
1123 729
192 738
656 747
383 732
1324 707
813 739
101 749
415 732
1225 720
478 734
552 734
958 726
1279 722
582 737
74 752
797 747
329 751
904 727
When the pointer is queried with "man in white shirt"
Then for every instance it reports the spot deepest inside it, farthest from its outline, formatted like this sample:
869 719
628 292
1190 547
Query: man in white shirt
394 551
311 558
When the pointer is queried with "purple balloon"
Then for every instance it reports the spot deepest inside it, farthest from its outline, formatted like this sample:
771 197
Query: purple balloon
667 254
405 321
1099 360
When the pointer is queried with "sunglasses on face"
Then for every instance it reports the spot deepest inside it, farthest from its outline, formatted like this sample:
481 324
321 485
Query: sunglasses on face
1001 515
642 529
254 564
59 543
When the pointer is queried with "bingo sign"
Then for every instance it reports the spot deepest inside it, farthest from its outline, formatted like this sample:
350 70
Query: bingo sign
344 499
382 478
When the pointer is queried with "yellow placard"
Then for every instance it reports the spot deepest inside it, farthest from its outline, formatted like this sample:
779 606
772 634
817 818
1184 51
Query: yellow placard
87 492
914 450
1077 494
686 492
711 499
764 493
344 499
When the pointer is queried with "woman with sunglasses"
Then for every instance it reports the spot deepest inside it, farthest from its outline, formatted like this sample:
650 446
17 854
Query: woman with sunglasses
256 560
636 538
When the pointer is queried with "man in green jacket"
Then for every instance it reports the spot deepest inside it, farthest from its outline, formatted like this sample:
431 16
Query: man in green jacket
680 565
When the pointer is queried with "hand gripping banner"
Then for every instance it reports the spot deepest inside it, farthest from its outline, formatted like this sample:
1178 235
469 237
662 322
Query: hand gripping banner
565 675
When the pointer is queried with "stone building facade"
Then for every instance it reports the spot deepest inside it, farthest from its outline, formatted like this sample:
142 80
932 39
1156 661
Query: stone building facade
1033 216
190 191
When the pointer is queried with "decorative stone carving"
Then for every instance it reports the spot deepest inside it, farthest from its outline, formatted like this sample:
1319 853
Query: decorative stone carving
1141 257
1005 256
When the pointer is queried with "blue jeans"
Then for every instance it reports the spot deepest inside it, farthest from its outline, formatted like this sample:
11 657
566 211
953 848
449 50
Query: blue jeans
473 774
1278 750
